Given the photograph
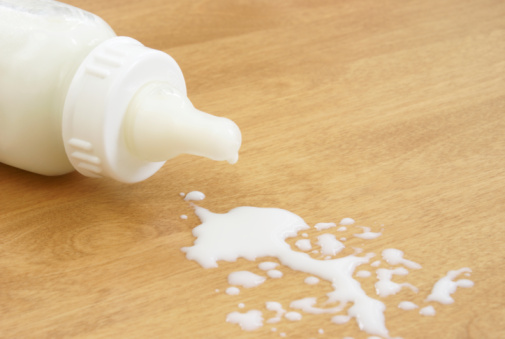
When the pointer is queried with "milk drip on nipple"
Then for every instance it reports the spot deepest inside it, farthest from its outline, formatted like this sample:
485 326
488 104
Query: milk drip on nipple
74 96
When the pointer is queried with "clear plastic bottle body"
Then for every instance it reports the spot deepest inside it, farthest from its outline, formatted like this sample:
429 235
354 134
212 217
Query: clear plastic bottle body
42 42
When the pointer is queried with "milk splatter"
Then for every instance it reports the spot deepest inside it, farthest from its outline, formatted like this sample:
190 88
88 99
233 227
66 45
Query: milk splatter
324 225
293 316
303 244
340 319
248 321
252 233
385 286
194 196
367 234
245 279
394 256
276 307
346 221
329 244
232 290
268 265
428 311
407 305
443 288
275 274
307 306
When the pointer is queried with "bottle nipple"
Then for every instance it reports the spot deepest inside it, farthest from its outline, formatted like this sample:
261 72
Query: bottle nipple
161 123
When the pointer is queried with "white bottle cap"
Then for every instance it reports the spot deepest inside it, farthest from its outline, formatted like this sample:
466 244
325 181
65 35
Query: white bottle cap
105 137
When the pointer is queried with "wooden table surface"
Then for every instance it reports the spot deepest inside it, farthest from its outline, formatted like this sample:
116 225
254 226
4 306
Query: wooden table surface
389 112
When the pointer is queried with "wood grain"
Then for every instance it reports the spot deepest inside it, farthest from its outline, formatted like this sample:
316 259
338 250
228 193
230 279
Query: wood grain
390 112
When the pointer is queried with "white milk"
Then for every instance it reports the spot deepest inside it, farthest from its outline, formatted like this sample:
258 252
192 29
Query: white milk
303 244
447 285
311 280
407 305
275 307
194 196
75 96
385 286
324 225
248 321
259 233
329 244
293 316
245 279
428 311
367 234
363 274
275 274
268 265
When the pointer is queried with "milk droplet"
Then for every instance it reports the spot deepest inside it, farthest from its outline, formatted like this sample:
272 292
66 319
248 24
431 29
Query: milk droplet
320 331
324 225
248 321
194 196
268 265
407 305
376 263
443 288
182 194
367 234
340 319
311 280
329 244
342 229
241 305
303 244
184 216
275 274
245 279
428 311
307 306
293 316
232 290
395 257
276 307
347 221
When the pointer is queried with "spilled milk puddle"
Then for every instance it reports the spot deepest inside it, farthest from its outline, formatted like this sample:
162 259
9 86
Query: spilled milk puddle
253 233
